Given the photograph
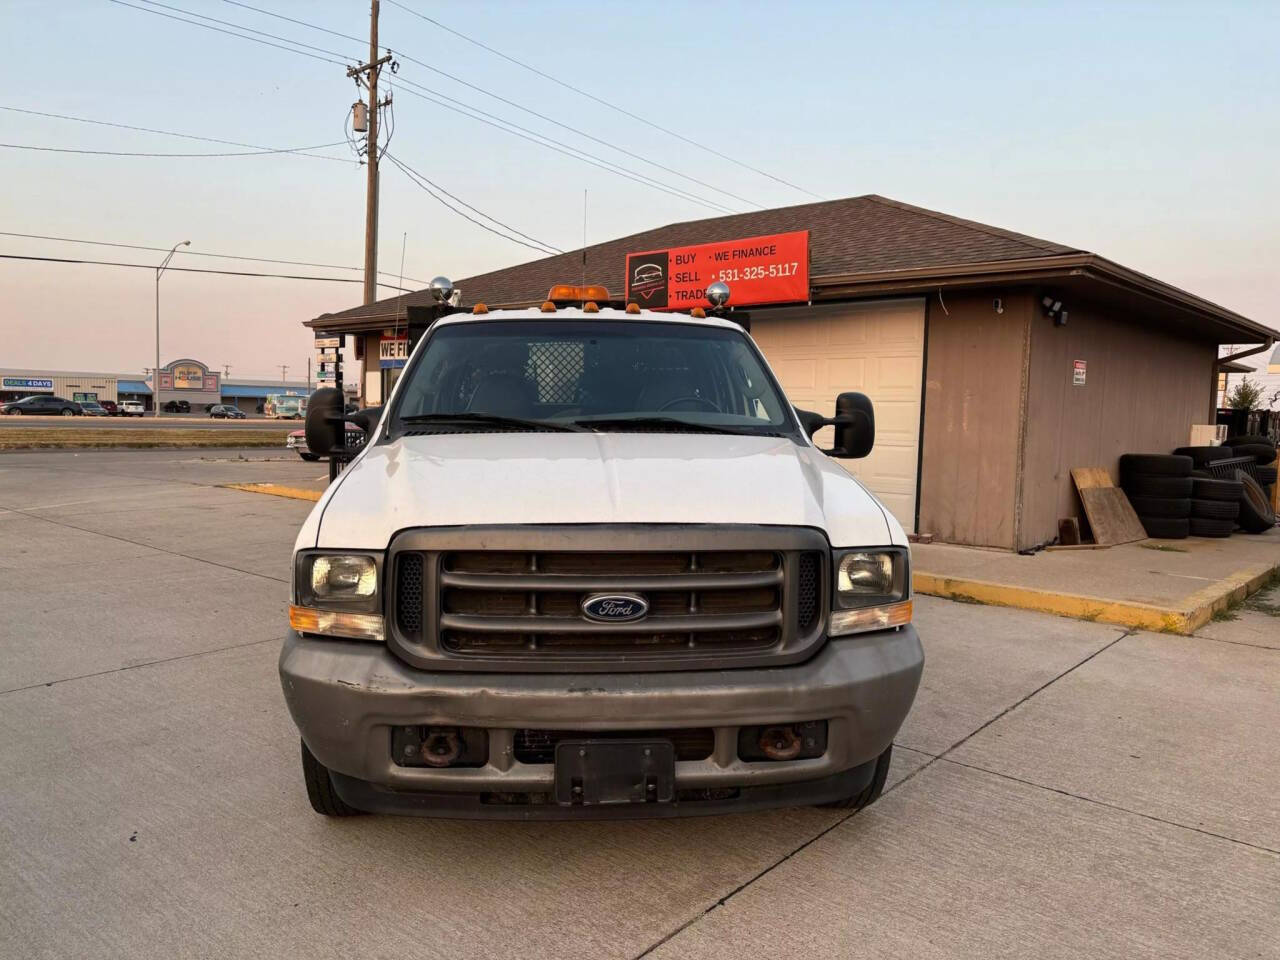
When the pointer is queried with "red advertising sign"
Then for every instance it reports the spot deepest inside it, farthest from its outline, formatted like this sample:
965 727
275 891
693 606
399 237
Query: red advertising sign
770 269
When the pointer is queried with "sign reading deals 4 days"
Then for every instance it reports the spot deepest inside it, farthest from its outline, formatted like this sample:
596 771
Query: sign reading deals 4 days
770 269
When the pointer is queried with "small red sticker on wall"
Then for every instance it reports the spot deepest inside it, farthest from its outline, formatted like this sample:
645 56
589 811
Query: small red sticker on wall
1078 373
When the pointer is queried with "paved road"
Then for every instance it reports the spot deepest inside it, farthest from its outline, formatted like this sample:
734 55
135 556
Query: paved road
1061 789
165 422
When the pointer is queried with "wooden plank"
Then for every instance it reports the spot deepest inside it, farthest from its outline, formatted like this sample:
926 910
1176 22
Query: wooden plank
1091 477
1111 516
1078 546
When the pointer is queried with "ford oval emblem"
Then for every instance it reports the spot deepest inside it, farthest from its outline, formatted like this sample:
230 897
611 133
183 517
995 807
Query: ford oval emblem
614 607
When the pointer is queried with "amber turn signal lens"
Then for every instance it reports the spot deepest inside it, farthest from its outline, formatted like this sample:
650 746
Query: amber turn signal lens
698 313
633 307
335 623
548 307
479 308
590 307
870 618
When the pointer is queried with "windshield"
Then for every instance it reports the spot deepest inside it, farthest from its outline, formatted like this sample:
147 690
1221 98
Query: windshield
595 374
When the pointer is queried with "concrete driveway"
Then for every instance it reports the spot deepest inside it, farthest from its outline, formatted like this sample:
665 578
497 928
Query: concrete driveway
1061 789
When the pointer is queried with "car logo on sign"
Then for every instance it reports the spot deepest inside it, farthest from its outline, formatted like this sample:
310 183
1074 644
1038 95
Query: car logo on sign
614 607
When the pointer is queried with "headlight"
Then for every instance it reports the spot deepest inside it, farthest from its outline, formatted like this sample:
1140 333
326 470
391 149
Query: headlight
872 590
338 594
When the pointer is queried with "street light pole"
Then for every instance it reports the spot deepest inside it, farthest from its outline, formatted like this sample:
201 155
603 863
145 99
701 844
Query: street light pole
155 374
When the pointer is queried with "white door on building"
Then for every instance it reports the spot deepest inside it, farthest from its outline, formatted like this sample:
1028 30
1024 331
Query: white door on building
876 348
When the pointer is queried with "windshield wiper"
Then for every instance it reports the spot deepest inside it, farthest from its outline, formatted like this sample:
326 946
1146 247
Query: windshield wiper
607 423
488 419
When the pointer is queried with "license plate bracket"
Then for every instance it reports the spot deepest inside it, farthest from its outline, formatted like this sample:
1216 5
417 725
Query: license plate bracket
602 772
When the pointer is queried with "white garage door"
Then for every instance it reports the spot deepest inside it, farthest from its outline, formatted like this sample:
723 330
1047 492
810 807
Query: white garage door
875 348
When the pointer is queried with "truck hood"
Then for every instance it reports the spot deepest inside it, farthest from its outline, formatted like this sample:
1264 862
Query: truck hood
562 478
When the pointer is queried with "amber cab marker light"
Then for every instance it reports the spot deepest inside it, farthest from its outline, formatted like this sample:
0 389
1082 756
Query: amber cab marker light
698 313
633 307
590 307
548 307
479 308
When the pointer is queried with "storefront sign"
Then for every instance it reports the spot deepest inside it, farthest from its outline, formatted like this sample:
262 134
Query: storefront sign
1077 373
770 269
393 352
323 374
326 342
188 376
26 383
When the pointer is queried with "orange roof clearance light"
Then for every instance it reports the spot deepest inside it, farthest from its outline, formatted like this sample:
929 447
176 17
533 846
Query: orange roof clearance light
479 308
590 307
548 307
567 291
698 313
633 307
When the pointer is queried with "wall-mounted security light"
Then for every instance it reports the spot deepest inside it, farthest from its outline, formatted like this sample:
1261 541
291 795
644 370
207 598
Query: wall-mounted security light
1052 307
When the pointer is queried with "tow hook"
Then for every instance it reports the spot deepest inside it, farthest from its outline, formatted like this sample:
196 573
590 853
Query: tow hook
441 746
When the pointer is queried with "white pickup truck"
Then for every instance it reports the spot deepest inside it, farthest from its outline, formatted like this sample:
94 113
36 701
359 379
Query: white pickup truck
590 563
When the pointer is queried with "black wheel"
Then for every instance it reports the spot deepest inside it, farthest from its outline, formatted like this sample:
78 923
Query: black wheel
1255 510
1146 485
68 412
1263 453
324 799
1201 527
1177 507
308 456
1210 488
871 792
1202 455
1166 528
1156 464
1213 510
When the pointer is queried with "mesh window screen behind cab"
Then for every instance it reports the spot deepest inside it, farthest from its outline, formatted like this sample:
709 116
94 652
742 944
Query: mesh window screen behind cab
555 367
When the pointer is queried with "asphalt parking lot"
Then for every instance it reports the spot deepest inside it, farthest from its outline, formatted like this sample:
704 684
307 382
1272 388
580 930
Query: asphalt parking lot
1061 788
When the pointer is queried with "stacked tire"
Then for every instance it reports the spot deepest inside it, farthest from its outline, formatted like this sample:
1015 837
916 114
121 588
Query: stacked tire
1263 452
1215 506
1160 487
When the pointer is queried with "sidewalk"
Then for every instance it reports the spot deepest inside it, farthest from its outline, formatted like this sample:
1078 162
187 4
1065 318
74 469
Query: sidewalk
1173 586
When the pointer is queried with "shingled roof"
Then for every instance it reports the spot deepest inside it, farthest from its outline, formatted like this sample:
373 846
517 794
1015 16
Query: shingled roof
858 247
868 234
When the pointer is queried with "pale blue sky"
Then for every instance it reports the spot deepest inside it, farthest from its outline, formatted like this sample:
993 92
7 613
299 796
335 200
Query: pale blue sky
1144 132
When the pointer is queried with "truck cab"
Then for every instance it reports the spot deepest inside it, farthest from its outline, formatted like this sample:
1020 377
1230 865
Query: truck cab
590 563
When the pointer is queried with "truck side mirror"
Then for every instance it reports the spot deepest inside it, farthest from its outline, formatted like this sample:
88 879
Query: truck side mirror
855 424
324 426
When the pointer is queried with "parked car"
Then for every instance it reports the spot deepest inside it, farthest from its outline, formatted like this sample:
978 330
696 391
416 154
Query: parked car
92 408
224 411
41 405
591 564
132 408
297 440
112 408
177 406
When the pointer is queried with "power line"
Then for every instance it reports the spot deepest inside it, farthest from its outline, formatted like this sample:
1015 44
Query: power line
475 113
125 153
413 177
237 26
454 197
224 273
230 33
603 102
166 133
561 148
511 103
188 253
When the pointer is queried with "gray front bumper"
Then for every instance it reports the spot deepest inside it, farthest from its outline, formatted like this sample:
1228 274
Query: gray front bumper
346 696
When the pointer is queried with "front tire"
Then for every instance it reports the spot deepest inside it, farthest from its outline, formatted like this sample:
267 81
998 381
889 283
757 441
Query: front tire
871 792
324 799
68 413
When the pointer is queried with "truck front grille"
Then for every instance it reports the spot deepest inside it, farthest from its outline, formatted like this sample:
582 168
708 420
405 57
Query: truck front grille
527 606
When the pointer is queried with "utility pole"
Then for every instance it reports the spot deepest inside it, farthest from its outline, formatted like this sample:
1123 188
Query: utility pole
368 73
284 368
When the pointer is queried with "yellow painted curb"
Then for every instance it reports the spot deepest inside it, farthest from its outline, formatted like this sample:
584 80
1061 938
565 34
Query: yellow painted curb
275 490
1199 606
